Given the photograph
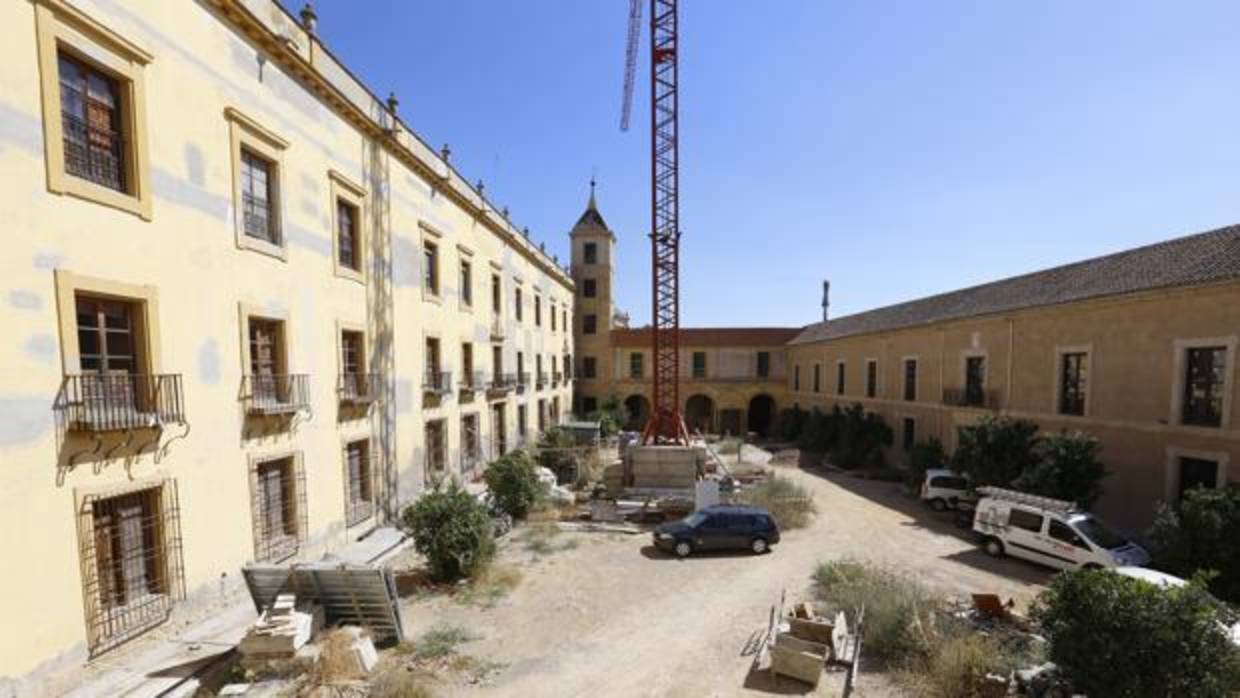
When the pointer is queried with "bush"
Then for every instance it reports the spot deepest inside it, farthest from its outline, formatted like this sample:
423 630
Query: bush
513 482
1201 536
1066 467
452 529
898 609
995 451
860 437
788 424
1117 636
923 456
789 502
611 416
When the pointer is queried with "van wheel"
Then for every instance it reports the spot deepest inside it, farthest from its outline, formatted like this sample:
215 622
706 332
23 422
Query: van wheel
758 546
994 547
683 548
938 505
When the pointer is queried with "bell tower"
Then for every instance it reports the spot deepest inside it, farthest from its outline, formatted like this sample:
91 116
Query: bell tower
593 269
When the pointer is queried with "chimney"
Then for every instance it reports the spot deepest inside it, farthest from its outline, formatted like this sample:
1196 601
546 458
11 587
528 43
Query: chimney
309 20
826 298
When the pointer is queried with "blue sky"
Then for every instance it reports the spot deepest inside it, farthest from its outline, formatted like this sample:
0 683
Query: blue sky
899 148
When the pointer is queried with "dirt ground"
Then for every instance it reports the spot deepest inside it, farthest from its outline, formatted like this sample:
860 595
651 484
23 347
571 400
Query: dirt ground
613 617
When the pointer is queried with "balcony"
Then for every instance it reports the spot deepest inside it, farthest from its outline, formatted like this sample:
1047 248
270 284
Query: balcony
273 395
971 397
358 388
437 382
502 383
523 381
497 329
99 402
472 381
540 382
555 380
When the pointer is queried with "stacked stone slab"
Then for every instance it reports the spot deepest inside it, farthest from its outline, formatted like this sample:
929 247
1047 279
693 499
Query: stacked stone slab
665 467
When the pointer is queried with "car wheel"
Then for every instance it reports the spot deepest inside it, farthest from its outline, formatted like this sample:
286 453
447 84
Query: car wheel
758 546
1091 566
683 548
994 547
938 505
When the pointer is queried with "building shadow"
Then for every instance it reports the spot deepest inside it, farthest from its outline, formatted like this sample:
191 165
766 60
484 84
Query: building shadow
651 552
1012 568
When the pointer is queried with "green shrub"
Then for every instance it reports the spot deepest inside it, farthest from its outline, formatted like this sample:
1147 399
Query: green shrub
789 502
860 437
513 481
611 416
923 456
898 609
1065 466
452 530
995 451
1115 636
1202 536
789 423
820 431
440 641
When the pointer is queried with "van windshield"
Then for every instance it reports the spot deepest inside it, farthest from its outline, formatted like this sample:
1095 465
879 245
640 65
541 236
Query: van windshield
695 518
1096 531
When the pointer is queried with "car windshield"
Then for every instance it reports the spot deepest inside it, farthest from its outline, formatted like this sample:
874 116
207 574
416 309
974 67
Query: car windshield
695 519
1096 531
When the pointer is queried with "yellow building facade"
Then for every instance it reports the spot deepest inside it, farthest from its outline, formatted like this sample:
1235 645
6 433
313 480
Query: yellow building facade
251 314
1137 349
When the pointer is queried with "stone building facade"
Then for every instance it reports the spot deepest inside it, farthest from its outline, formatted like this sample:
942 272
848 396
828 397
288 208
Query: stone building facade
249 313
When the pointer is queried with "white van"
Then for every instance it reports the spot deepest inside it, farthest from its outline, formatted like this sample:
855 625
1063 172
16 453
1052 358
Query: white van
942 488
1049 531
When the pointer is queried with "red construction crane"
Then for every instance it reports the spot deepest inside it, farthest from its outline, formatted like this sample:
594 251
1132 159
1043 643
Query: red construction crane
666 424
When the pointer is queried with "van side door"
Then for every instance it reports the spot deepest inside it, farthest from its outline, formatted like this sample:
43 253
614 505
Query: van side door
1024 535
1068 545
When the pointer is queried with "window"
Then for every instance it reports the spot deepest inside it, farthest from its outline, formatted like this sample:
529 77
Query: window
359 502
1197 472
499 424
279 508
467 282
353 379
517 300
430 267
270 386
636 368
521 366
90 113
839 378
467 365
1063 533
471 442
497 294
591 253
434 380
1205 373
589 288
764 364
130 544
975 381
497 361
589 405
107 343
537 310
522 423
699 364
871 378
436 448
909 434
796 377
542 416
564 318
1026 520
1073 382
347 250
589 324
92 82
538 372
589 367
258 198
817 377
551 310
910 380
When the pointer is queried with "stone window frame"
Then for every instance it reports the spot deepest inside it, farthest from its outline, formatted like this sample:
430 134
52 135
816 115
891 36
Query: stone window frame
300 506
61 26
353 514
971 353
145 299
344 189
1057 379
244 133
902 416
817 385
465 256
1171 473
343 326
1180 348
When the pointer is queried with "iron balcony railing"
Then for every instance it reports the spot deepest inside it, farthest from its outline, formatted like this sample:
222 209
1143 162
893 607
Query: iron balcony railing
503 382
555 379
472 381
276 394
523 380
109 402
358 388
541 382
93 154
971 397
497 329
257 219
437 382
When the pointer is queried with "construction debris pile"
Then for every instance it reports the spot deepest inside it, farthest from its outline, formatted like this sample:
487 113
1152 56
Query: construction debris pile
802 644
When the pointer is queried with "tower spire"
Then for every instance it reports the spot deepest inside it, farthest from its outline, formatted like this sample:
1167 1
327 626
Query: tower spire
592 205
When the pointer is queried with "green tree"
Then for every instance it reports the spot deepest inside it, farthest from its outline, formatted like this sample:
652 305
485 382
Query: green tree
860 437
452 530
923 456
1201 536
996 450
789 423
1119 637
1065 466
611 416
513 481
